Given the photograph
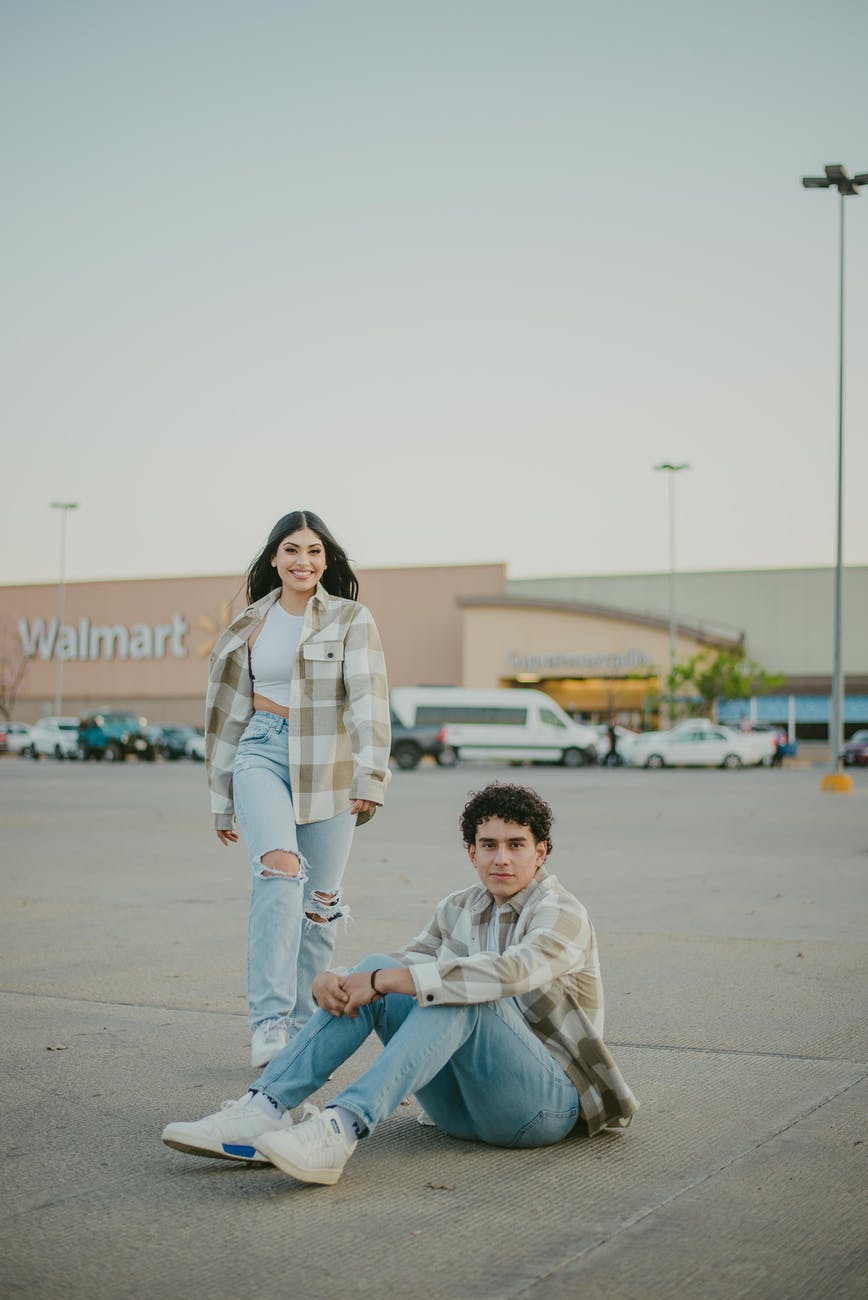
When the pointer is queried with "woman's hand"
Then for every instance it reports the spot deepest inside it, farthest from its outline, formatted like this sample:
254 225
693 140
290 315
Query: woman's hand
362 806
329 994
227 837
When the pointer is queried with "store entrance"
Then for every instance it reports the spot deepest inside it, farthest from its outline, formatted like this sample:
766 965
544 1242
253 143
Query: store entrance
631 701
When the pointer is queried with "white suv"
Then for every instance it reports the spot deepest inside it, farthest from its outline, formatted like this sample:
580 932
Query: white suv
55 736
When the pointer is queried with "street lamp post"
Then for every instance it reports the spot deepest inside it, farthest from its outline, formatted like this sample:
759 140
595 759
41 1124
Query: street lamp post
836 177
671 471
64 507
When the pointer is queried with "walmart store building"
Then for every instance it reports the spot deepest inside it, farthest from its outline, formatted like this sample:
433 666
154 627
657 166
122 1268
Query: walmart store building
597 644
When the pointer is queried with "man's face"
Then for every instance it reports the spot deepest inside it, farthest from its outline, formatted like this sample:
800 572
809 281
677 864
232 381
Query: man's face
505 856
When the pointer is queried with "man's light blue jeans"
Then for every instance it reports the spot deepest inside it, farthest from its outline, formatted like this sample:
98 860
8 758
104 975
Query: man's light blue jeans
285 949
478 1070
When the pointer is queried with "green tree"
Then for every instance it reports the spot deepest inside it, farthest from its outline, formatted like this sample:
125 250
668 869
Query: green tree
712 675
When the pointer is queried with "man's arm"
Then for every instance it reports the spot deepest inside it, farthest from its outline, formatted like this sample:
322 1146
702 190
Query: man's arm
342 995
558 940
342 992
359 987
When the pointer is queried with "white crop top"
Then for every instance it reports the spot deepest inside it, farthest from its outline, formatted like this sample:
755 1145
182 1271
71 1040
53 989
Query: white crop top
273 654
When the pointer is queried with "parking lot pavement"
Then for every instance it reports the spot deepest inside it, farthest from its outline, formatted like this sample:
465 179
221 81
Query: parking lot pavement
729 908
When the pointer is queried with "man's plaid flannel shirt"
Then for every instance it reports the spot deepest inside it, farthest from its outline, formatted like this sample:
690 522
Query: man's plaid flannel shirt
339 728
547 961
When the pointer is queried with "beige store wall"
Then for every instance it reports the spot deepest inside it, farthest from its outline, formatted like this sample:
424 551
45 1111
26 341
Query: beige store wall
161 631
503 641
420 618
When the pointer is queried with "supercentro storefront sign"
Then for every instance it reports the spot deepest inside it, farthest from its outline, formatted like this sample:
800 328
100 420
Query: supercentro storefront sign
87 642
566 665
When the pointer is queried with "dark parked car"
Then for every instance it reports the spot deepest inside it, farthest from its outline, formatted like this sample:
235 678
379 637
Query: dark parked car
411 744
173 740
113 736
855 752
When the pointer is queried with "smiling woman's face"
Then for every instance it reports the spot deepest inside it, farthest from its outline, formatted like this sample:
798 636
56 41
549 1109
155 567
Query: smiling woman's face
300 560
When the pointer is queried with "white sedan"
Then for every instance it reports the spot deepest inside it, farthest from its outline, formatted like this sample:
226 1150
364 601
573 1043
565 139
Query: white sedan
57 737
698 745
14 737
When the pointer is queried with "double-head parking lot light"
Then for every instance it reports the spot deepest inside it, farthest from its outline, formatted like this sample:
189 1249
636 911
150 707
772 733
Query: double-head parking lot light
836 178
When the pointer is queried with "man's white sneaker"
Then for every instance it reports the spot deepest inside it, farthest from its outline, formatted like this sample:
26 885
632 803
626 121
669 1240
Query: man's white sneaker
314 1151
228 1134
269 1038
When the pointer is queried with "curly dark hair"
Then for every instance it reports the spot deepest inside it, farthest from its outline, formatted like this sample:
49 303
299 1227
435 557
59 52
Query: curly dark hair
338 579
512 803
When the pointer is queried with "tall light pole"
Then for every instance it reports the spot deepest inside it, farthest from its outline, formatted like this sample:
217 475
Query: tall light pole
671 471
64 507
836 177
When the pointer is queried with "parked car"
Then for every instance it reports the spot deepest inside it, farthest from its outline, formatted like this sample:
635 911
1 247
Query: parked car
196 747
173 739
113 736
761 745
57 737
517 726
411 744
698 743
14 737
855 752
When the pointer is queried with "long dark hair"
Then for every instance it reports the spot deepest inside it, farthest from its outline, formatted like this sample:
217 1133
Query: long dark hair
338 579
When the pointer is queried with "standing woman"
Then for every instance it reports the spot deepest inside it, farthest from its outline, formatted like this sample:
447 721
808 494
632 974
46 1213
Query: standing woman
297 743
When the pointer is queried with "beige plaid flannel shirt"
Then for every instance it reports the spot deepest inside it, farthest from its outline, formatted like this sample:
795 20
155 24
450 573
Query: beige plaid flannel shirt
547 962
339 728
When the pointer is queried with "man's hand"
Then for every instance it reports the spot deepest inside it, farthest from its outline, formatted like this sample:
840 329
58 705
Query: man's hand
329 994
390 979
359 991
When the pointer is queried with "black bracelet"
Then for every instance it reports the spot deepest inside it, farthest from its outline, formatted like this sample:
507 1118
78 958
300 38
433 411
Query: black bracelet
373 985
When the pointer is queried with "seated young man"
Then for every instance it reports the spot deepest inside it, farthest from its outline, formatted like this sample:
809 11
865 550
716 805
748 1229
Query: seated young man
500 1010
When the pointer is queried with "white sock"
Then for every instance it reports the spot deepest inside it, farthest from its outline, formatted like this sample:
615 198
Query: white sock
265 1104
352 1126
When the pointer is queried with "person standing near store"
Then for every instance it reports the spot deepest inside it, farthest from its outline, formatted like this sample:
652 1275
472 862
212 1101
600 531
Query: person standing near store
297 739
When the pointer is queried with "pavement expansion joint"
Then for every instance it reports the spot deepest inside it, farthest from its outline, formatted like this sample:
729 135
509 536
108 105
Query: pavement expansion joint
113 1002
691 1049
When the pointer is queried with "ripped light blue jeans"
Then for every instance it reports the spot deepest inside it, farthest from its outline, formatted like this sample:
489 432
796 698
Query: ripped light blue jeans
479 1070
285 947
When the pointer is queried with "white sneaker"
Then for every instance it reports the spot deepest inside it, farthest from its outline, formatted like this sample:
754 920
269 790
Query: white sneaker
269 1038
314 1151
227 1134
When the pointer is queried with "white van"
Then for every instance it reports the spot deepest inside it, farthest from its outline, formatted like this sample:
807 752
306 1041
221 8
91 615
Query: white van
518 726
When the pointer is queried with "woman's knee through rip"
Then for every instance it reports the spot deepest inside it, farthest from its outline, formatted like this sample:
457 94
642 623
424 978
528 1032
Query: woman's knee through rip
277 863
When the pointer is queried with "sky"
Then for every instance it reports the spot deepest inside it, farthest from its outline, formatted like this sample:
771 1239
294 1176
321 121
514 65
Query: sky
454 274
